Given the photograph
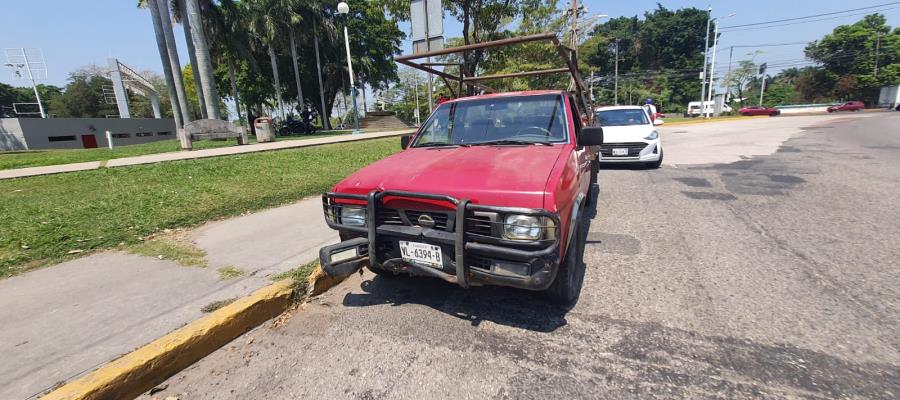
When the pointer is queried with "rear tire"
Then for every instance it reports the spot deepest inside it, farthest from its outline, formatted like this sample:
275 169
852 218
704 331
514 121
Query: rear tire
593 195
566 288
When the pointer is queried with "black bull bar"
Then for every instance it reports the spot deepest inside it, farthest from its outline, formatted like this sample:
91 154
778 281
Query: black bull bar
349 256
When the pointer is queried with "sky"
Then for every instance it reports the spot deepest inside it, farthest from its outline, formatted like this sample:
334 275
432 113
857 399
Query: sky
72 34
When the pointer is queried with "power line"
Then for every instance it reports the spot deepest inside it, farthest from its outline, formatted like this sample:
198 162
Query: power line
811 16
763 45
804 22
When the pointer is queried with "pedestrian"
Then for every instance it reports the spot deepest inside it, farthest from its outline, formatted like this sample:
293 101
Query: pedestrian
650 108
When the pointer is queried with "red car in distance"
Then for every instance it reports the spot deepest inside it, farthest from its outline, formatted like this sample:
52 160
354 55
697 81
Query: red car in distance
848 106
758 110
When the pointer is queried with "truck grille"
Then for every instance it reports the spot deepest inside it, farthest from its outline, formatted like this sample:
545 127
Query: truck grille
480 225
389 216
440 219
634 149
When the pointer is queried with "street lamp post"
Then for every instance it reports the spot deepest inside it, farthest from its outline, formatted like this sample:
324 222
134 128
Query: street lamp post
343 8
712 72
705 59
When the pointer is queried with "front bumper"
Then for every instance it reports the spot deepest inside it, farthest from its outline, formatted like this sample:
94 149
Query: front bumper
645 151
470 254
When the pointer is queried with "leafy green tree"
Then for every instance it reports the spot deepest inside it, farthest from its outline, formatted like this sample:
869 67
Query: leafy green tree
660 56
83 98
10 95
740 78
849 54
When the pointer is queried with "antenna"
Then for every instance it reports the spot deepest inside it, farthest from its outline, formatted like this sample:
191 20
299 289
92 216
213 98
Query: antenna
28 64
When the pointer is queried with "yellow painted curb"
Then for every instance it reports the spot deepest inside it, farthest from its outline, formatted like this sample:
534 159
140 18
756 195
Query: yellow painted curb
140 370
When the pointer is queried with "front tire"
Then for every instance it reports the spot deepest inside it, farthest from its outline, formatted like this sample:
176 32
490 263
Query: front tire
566 288
656 164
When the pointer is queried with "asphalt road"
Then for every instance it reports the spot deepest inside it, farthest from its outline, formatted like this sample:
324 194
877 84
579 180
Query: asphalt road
771 274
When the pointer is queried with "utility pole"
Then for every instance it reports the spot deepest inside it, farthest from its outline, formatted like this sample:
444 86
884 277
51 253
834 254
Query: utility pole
762 90
574 24
592 86
705 57
616 95
416 88
428 59
762 71
730 53
712 67
877 46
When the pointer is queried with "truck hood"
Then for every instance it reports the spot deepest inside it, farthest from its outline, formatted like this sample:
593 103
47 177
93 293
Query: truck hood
626 134
491 175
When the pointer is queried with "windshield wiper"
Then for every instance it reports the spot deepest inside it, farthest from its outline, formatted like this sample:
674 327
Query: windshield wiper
509 141
438 144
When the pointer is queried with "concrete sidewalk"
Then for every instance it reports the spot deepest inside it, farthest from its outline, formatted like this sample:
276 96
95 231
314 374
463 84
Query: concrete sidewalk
185 155
63 321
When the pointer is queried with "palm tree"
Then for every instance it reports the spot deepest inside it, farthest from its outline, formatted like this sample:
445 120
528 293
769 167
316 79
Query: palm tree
173 60
313 13
180 12
269 18
230 42
167 66
204 62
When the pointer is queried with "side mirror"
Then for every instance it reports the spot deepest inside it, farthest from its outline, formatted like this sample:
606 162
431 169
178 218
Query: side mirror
591 136
658 122
404 141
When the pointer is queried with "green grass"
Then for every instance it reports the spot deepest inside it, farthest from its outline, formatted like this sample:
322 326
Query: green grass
170 249
39 158
217 305
230 272
300 277
45 217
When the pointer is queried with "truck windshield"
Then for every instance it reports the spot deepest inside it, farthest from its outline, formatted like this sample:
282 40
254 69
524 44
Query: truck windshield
498 120
622 117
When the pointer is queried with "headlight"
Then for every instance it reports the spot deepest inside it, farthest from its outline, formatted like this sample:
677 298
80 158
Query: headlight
352 216
522 227
653 135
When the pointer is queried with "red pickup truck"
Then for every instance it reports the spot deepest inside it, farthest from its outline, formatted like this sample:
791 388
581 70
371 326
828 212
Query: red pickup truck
489 191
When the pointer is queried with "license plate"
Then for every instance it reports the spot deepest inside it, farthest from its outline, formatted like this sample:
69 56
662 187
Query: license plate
620 152
421 253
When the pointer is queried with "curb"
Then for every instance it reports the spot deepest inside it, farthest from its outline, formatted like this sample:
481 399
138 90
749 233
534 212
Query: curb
141 370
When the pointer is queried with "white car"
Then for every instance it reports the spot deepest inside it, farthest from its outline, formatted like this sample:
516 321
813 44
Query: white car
629 136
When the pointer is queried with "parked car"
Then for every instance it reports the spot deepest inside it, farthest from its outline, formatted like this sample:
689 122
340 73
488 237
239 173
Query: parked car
629 136
848 106
489 191
758 110
709 108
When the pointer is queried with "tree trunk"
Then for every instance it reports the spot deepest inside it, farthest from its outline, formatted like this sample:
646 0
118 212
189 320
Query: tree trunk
237 101
204 62
167 69
276 79
300 99
326 114
186 27
173 60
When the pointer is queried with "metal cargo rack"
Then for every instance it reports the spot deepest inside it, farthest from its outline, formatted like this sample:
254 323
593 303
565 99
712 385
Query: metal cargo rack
567 54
